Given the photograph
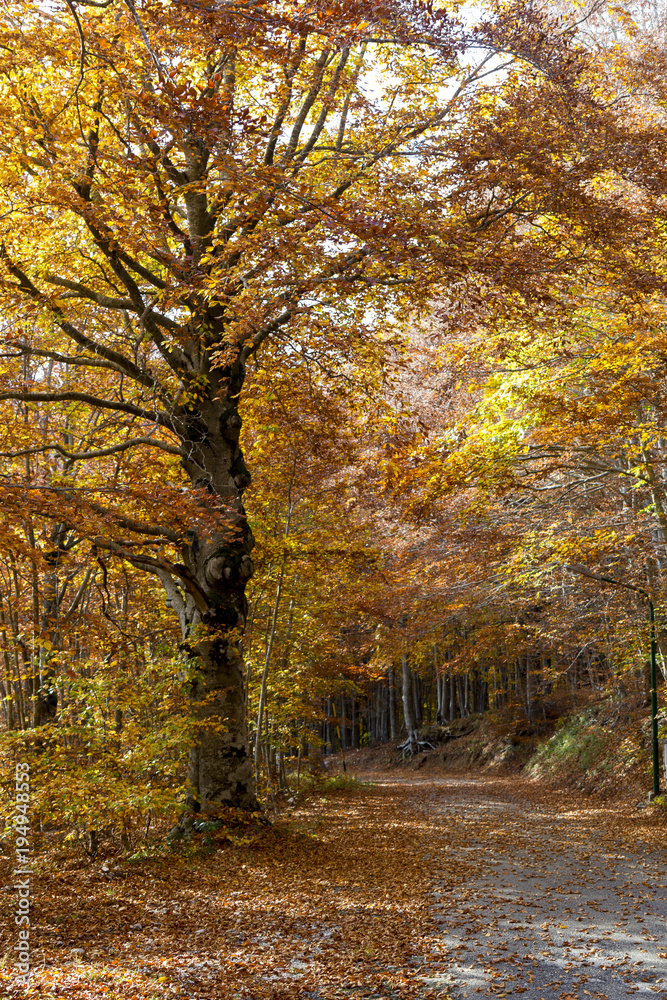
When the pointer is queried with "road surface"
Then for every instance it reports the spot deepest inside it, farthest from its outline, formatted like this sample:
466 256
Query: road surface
556 905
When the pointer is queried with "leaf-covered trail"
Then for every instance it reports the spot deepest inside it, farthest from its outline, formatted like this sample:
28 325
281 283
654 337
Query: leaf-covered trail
564 898
410 888
332 902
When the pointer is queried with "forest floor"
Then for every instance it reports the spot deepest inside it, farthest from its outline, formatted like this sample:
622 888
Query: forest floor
412 886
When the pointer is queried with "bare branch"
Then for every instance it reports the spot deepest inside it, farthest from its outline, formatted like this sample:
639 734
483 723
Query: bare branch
285 103
87 293
307 105
159 566
326 106
79 456
174 598
130 6
156 416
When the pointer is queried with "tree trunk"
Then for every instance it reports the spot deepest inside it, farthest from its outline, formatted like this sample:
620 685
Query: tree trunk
343 724
355 724
483 692
9 703
207 591
221 771
461 696
393 725
417 700
439 687
532 699
330 728
408 704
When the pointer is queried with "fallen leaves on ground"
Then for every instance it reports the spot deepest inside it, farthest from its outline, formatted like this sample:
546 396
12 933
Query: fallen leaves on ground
332 902
373 893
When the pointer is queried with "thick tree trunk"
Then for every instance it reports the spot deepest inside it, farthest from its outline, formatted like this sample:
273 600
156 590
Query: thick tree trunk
207 591
221 770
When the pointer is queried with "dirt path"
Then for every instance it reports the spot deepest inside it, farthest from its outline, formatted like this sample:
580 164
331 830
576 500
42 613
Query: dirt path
408 888
563 898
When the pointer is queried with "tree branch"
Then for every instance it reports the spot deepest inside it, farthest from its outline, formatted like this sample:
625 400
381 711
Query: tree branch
307 105
78 456
156 416
159 566
29 289
87 293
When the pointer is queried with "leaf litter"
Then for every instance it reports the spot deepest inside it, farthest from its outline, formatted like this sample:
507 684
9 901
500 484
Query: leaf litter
330 902
410 888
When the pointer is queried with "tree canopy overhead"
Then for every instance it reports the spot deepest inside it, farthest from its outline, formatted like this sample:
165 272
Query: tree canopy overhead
186 187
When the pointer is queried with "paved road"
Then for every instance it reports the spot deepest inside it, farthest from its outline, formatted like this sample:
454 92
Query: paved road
553 907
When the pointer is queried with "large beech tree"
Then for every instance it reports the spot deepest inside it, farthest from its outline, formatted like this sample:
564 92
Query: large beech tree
182 183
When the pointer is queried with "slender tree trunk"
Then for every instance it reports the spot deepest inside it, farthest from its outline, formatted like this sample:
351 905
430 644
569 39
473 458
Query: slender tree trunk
35 679
343 723
393 725
461 695
408 702
271 632
246 646
9 704
416 696
329 741
532 701
484 691
520 682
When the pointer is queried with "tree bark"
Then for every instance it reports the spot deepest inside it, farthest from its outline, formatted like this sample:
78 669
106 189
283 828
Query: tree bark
408 704
416 697
532 691
393 725
343 723
208 594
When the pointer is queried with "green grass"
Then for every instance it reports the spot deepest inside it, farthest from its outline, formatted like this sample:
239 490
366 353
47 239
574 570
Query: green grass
324 784
593 751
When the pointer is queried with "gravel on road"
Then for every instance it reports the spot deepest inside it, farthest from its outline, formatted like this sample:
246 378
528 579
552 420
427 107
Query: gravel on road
558 904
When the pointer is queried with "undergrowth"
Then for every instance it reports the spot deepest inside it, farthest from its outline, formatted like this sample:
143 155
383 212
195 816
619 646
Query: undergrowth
602 749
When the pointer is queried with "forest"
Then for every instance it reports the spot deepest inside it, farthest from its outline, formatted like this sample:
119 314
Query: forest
332 381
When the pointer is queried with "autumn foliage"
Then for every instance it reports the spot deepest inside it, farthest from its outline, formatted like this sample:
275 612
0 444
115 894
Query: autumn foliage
333 340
